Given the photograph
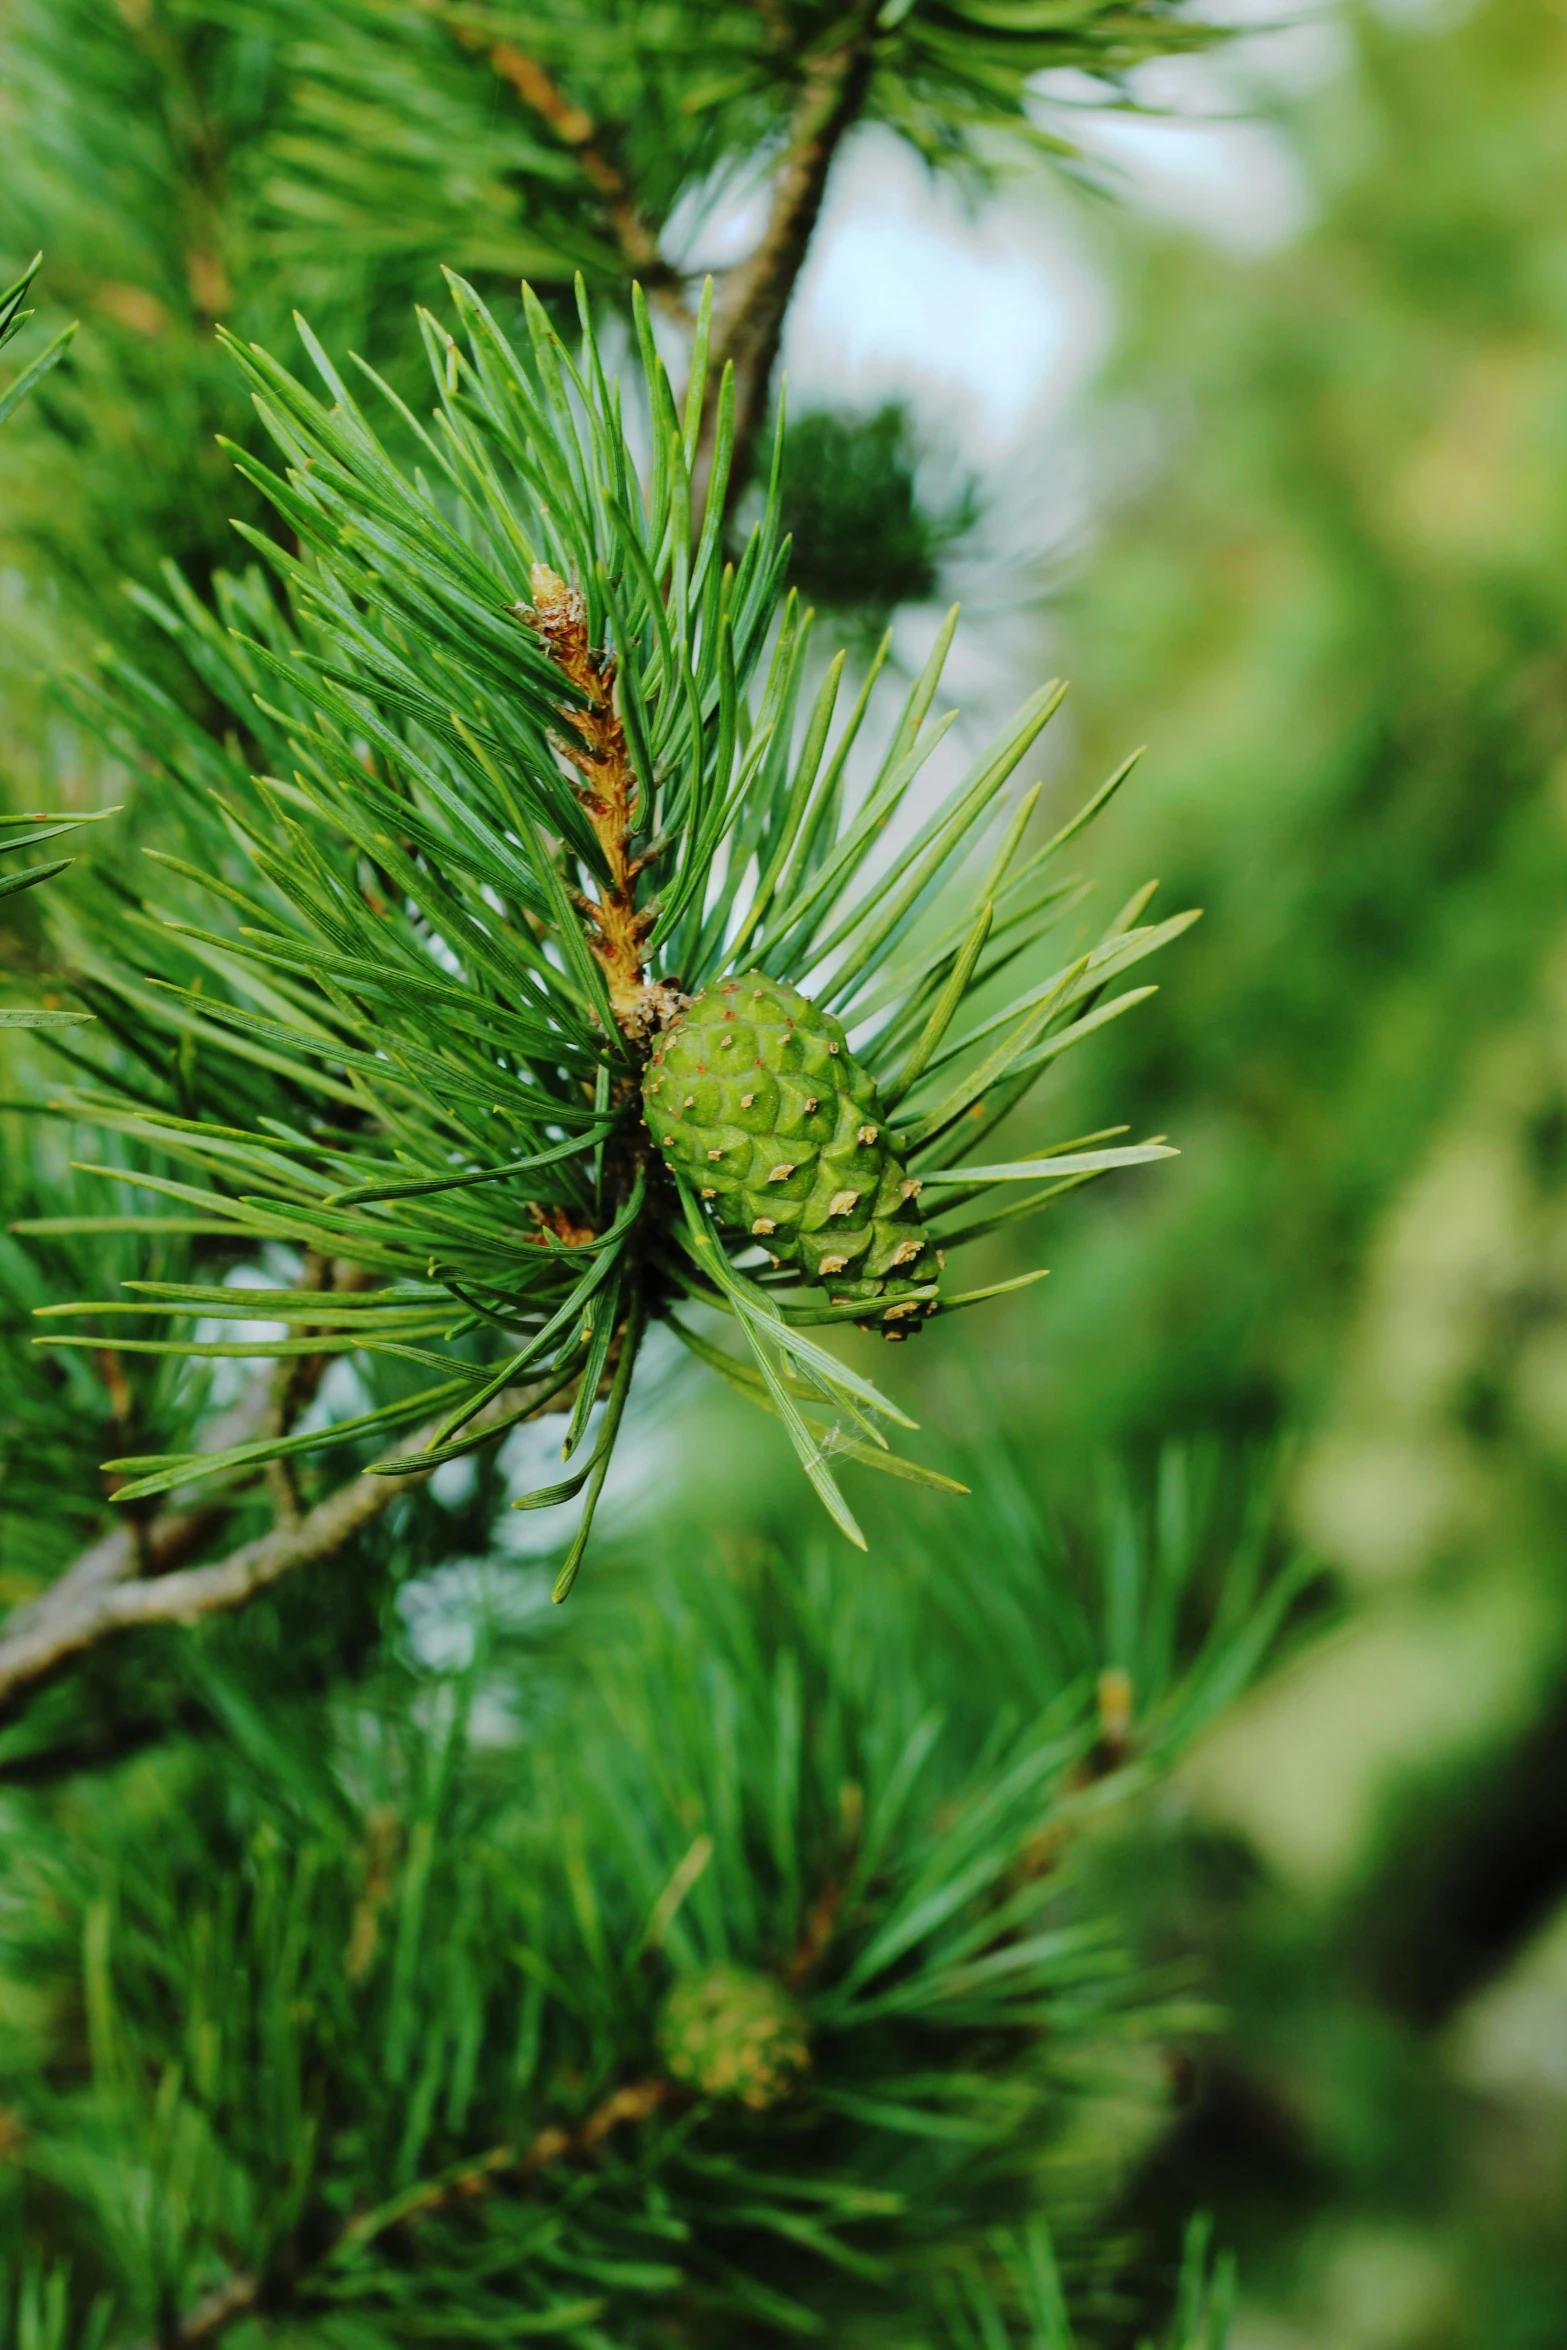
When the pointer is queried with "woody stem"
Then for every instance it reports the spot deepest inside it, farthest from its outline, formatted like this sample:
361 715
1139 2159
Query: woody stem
756 299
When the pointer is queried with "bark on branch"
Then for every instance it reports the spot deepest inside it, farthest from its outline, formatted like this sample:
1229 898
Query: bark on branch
628 2106
596 747
757 295
121 1584
758 292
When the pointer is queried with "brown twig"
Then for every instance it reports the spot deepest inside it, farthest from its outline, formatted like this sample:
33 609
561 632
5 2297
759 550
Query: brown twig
1113 1751
575 128
89 1615
822 1922
136 1547
196 129
756 298
635 2102
144 1548
215 2310
104 1595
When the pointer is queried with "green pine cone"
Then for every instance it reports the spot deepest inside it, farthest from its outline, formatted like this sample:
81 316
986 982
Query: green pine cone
729 2032
753 1095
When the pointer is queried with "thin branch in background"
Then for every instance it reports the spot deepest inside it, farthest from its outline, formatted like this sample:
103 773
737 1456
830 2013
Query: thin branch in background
134 1548
631 2104
575 128
759 290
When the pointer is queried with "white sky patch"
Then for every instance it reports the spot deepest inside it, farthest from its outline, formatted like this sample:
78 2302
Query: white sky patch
982 318
444 1612
1202 155
989 317
343 1394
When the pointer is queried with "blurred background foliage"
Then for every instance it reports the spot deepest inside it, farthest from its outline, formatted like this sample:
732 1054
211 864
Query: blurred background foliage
1331 593
1324 578
865 540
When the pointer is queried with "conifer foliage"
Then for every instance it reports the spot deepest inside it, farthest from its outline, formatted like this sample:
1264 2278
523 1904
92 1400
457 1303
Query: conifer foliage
555 770
30 831
12 319
712 1965
190 161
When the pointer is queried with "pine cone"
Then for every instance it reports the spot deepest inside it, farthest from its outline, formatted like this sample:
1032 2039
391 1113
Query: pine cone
729 2032
754 1096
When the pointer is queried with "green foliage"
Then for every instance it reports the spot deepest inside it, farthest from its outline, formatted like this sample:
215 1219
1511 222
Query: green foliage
863 540
344 1996
408 1034
61 1414
350 2015
1380 614
12 319
125 135
30 831
1014 2300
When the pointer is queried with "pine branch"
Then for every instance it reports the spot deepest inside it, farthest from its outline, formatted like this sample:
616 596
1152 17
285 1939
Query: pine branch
531 855
199 161
101 1607
140 1547
239 2294
146 1549
750 1795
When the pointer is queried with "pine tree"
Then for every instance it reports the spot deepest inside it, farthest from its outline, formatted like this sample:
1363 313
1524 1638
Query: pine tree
719 1966
833 2022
